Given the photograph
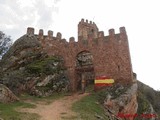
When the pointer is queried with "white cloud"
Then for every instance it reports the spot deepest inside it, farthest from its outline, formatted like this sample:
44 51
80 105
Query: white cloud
17 15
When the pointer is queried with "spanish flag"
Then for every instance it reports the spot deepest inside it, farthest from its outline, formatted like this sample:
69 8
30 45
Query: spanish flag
103 81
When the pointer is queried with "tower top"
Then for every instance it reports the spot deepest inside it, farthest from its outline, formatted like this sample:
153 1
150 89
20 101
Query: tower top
86 28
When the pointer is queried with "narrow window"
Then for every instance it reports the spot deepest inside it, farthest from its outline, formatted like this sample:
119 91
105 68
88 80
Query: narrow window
92 31
118 68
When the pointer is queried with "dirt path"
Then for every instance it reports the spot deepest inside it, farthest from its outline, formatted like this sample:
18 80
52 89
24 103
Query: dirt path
56 110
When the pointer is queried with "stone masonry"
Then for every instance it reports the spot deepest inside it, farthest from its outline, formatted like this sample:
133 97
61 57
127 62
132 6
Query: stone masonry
111 55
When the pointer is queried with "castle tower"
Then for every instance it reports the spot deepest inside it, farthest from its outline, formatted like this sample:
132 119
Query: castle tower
86 28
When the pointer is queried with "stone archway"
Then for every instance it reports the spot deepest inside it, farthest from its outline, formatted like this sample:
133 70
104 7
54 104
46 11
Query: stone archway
84 69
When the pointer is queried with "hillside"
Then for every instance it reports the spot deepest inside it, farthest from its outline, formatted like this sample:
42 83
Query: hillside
148 95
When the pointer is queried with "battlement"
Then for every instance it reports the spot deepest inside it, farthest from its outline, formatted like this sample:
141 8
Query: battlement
100 34
86 22
88 34
50 33
71 39
30 31
110 53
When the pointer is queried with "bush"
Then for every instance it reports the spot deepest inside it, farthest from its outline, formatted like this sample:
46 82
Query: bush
150 94
143 104
46 66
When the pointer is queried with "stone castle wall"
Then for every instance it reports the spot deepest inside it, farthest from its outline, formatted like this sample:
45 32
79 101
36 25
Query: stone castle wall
111 55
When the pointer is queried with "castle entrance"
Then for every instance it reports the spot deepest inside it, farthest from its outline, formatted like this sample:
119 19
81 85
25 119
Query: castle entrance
84 70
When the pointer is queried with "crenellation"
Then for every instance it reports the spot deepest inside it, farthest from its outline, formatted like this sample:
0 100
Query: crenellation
72 43
59 36
111 32
41 32
50 33
87 23
122 30
123 35
30 31
82 20
71 39
40 35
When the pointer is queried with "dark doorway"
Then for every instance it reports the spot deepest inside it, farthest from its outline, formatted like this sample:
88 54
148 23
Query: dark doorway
84 69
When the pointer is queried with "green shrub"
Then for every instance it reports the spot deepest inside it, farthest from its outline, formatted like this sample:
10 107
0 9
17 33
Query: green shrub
150 94
45 66
143 104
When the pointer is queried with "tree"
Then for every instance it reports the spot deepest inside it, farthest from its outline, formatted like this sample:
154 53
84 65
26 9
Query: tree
5 43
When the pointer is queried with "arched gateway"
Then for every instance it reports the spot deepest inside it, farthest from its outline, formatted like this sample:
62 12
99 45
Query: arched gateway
92 55
84 69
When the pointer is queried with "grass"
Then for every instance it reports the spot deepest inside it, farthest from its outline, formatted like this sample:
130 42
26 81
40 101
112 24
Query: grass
8 111
88 107
70 118
46 100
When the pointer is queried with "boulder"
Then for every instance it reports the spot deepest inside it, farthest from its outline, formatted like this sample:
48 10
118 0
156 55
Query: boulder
51 84
6 95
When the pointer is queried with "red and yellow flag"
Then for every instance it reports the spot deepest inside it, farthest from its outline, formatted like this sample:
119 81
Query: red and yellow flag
103 81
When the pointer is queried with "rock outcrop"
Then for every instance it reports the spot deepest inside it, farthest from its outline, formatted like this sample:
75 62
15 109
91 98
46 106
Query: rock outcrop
26 67
51 84
7 95
121 100
131 102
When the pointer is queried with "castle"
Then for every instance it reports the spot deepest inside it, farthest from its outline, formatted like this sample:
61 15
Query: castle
92 55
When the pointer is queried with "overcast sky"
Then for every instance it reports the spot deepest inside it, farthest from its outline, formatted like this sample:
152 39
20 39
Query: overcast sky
140 17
